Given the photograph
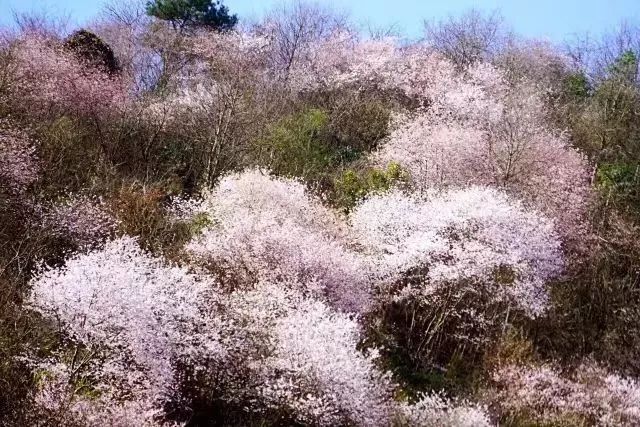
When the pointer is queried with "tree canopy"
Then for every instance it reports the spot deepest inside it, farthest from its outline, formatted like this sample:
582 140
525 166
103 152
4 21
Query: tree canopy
193 13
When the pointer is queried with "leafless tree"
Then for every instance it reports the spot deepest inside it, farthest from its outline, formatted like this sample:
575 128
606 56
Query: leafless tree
469 38
130 13
150 52
42 21
377 32
595 55
294 26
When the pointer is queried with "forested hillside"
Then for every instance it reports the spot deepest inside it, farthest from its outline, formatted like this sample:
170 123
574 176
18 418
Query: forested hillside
294 221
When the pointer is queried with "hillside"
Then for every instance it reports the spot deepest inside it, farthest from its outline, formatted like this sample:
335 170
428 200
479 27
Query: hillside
206 222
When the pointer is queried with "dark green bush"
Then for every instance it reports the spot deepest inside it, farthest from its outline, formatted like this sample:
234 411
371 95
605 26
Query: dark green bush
185 13
92 50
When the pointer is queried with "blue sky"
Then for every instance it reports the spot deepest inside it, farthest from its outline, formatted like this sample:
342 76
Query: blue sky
552 19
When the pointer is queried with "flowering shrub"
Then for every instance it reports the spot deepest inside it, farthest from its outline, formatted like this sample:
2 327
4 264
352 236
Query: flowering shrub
222 65
591 395
435 410
480 132
343 59
456 267
80 219
270 228
478 235
135 313
49 78
307 361
18 167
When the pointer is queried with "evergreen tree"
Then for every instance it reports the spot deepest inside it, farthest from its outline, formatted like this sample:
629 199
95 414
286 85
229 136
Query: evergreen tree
193 13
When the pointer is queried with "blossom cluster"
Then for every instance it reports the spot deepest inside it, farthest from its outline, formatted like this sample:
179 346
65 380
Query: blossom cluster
52 79
81 219
269 228
344 59
306 358
221 67
136 318
18 167
435 410
464 235
58 399
139 313
591 394
480 131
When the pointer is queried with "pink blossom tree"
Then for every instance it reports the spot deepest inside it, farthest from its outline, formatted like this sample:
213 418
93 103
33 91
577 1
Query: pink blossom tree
51 79
133 315
456 267
481 131
270 228
304 358
463 235
82 220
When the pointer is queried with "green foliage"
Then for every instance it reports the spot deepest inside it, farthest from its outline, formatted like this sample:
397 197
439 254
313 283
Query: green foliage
193 13
617 176
357 119
91 49
625 66
577 85
354 185
315 143
620 183
199 223
300 145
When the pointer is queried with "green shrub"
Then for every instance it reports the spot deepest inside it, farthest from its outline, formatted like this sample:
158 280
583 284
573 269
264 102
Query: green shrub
354 185
315 143
299 145
577 85
620 184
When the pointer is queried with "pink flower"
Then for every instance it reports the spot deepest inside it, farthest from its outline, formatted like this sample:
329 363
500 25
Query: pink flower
18 167
52 79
